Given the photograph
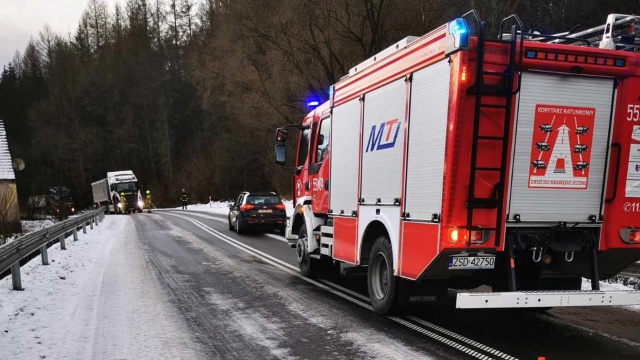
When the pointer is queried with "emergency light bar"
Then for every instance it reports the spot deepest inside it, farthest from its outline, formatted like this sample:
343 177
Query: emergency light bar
457 36
571 58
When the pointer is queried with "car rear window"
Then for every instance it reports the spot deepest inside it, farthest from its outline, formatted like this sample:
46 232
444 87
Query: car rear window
263 199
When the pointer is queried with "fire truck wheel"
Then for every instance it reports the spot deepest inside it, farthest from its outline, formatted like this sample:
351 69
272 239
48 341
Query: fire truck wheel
305 261
381 281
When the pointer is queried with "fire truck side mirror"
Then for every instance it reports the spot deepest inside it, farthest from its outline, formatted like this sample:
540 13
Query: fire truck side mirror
281 154
457 37
281 134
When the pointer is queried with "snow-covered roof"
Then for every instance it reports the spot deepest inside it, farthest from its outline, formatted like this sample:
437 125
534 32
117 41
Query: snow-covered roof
6 169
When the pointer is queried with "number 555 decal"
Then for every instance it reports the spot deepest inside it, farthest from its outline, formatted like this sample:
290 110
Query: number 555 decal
633 112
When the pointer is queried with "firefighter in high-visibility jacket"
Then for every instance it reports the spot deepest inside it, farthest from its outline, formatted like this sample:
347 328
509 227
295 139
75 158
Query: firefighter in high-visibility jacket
123 203
149 204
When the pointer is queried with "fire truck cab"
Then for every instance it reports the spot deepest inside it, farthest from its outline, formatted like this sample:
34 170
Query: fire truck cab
448 161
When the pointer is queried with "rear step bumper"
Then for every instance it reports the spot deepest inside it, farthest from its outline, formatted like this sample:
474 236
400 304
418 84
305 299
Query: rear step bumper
543 299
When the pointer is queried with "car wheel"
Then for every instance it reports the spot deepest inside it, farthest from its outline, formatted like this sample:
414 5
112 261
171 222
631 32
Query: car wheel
239 229
381 282
305 262
282 231
229 221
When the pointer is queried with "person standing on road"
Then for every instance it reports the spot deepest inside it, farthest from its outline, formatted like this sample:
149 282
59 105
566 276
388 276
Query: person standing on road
148 200
123 201
184 199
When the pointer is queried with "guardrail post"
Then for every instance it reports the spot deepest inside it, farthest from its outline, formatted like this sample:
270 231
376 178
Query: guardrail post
63 244
75 233
16 280
44 254
95 220
84 228
91 224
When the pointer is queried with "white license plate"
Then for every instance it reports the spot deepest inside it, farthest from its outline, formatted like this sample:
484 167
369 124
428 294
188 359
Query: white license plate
267 211
471 262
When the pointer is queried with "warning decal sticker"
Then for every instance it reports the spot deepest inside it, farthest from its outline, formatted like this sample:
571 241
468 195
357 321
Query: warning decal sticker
561 147
632 188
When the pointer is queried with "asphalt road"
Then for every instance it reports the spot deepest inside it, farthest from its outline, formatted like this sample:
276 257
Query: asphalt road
242 297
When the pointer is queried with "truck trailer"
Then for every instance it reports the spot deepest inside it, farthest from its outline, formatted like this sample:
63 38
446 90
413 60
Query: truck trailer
425 168
106 192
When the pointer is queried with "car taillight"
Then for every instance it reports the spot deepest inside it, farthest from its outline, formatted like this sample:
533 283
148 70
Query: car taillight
634 235
246 207
280 206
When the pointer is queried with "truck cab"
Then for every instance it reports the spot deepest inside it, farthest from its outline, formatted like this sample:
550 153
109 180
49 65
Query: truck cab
125 182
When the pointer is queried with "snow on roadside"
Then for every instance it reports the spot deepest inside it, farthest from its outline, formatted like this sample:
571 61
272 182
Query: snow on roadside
30 319
35 225
611 286
222 207
29 226
98 299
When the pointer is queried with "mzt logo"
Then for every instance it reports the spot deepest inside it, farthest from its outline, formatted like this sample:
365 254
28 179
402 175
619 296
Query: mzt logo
381 139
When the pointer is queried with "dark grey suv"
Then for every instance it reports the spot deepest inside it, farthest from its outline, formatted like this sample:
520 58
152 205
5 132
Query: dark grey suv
260 211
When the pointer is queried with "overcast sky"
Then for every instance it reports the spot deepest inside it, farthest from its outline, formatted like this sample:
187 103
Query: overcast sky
21 20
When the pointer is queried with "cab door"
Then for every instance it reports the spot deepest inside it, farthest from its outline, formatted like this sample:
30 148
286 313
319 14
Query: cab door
300 173
319 168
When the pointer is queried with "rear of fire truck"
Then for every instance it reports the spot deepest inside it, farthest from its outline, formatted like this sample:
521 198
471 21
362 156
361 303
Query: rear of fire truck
540 180
546 189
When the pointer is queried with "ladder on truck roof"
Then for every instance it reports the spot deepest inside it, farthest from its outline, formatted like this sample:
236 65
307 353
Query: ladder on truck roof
503 94
620 32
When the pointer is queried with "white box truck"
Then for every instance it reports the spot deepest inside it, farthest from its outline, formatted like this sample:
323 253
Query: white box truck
106 192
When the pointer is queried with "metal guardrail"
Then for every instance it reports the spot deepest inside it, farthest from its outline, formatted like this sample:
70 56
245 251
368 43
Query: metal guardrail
631 270
12 253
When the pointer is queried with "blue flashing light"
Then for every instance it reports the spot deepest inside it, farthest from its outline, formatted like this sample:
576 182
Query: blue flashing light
458 27
530 54
619 62
457 36
313 103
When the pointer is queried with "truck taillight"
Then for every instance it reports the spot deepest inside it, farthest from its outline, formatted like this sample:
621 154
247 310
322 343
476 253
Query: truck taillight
280 206
630 235
453 236
246 207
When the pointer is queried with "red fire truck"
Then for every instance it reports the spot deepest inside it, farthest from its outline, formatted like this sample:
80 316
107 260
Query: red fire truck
448 161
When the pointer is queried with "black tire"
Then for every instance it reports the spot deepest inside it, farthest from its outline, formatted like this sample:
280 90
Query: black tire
282 231
380 279
229 221
305 262
239 229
